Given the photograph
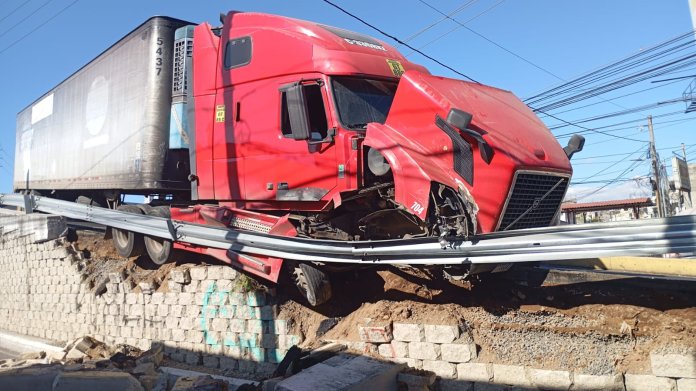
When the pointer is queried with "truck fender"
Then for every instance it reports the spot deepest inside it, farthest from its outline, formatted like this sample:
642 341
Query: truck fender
411 183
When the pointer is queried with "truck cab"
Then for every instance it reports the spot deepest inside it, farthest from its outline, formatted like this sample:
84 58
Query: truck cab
356 140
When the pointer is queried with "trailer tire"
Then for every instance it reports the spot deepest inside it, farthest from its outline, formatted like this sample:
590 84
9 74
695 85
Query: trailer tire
160 250
313 284
128 244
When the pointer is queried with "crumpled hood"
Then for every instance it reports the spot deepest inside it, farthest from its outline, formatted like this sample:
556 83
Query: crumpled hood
421 152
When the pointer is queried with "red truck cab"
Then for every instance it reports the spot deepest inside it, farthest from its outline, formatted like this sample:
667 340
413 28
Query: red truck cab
355 141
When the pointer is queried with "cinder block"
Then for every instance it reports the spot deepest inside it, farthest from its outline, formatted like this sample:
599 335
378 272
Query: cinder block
228 363
583 382
162 310
215 272
228 273
457 353
475 372
157 298
254 326
674 365
171 298
511 375
249 340
192 311
458 385
224 285
440 368
395 349
376 332
178 335
175 287
220 324
411 362
180 275
198 273
238 325
441 333
649 383
275 355
256 299
686 384
286 341
549 380
407 332
211 361
423 350
117 277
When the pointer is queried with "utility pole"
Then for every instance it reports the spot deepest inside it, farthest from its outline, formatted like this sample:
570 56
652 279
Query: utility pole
688 175
656 170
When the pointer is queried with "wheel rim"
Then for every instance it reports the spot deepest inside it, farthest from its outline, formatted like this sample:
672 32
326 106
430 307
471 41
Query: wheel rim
156 245
120 237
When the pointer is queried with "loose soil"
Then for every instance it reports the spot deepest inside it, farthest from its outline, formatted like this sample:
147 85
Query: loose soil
592 327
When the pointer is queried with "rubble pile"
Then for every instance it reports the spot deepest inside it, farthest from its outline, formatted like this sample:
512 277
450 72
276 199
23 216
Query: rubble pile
87 363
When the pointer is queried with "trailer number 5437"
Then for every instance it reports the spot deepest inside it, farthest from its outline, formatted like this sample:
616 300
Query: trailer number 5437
418 208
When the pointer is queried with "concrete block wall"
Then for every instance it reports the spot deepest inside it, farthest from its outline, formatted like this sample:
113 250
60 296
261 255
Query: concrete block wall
452 355
200 313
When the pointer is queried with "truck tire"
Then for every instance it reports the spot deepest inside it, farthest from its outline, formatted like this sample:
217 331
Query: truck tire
160 250
313 284
128 244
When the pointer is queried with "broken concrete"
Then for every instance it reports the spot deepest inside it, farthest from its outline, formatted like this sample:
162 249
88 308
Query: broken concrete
344 372
96 380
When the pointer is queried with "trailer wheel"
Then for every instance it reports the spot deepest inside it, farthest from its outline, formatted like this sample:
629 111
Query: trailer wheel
128 244
313 284
160 250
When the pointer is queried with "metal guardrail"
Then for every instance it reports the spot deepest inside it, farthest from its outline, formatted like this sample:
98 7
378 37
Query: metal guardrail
636 238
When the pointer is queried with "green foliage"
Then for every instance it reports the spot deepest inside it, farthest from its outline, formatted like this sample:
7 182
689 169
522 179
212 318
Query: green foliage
244 283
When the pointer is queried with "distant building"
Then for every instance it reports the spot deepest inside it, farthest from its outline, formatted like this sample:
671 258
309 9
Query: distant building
603 211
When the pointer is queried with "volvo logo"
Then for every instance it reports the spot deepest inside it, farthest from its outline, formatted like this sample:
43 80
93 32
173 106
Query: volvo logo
536 203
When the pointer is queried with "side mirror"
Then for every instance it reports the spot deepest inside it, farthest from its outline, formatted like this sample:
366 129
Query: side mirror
575 144
461 120
298 114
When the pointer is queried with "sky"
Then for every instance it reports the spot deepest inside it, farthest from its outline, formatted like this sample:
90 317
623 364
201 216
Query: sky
44 41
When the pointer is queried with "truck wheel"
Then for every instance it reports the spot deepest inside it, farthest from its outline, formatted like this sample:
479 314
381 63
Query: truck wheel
159 249
313 284
128 244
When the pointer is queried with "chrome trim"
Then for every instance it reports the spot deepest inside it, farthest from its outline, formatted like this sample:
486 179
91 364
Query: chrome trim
512 188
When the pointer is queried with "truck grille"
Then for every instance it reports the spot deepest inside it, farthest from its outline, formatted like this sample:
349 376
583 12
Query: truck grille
533 201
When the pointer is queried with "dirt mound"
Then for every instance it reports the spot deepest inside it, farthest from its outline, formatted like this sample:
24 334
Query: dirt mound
597 328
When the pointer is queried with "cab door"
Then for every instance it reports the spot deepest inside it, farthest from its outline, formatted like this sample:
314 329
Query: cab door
293 161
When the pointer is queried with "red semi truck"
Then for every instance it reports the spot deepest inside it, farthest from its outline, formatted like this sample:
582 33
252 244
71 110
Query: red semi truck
288 127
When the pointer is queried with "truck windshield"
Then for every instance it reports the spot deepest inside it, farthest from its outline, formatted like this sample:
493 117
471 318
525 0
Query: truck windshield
361 101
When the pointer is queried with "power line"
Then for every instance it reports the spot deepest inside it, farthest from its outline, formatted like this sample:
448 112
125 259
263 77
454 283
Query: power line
487 10
537 66
631 110
20 39
617 97
643 75
608 167
593 130
611 182
456 11
584 78
608 132
397 40
26 17
15 10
